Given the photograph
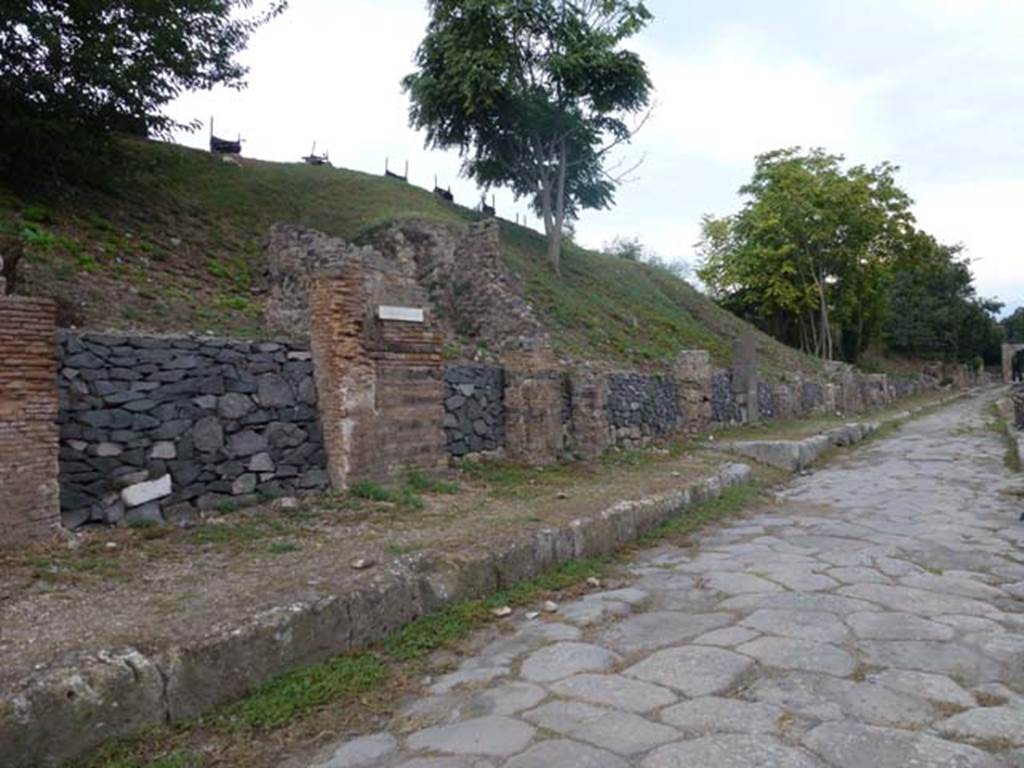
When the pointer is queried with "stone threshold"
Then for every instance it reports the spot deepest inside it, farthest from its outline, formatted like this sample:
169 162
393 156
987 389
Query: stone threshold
64 711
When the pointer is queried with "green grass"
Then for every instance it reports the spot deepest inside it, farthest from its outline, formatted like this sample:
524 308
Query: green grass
732 500
190 226
286 698
1011 457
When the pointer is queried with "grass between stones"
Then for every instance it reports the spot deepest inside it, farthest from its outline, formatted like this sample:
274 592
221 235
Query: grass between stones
1012 455
357 692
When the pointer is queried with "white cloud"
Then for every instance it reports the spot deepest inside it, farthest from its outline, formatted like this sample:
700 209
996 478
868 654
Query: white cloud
735 98
982 215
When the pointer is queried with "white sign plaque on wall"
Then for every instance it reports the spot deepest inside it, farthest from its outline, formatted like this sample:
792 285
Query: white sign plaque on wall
402 314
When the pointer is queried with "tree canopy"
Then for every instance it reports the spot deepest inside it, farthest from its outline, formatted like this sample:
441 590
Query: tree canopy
74 66
1014 326
806 256
828 258
534 94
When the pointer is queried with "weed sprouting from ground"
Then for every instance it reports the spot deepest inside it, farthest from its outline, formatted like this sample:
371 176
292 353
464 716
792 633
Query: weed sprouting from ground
284 699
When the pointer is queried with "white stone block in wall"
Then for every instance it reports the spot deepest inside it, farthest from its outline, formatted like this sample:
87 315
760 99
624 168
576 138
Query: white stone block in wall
403 314
143 493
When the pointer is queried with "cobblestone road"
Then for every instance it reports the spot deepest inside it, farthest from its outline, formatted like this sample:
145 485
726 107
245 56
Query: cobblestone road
873 617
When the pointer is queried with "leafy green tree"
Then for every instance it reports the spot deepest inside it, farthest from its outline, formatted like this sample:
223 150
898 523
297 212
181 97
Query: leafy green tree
933 310
534 94
1014 327
71 68
807 256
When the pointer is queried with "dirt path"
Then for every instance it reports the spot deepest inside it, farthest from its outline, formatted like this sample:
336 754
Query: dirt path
873 616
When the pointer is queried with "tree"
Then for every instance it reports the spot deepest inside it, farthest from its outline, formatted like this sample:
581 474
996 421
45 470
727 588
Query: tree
1014 326
933 310
806 258
83 67
534 94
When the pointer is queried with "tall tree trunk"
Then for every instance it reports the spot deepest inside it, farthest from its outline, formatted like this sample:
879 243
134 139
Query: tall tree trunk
826 328
555 237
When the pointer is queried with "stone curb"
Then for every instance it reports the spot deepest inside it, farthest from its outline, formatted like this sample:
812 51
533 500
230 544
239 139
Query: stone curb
796 455
87 699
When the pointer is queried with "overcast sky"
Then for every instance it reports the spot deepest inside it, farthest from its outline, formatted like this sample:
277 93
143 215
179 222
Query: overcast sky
935 86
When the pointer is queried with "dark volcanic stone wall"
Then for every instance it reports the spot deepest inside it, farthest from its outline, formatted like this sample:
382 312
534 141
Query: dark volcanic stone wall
153 427
765 400
810 396
474 409
642 406
724 408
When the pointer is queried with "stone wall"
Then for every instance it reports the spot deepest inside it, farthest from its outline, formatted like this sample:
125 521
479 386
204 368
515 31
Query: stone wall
476 301
474 409
29 506
642 407
1010 353
724 408
535 425
153 427
1017 398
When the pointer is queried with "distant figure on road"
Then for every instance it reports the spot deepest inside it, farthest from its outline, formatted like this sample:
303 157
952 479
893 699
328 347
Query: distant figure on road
1018 366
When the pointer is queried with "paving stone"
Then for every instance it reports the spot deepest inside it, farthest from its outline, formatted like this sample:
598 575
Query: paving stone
807 655
468 674
508 699
365 751
937 688
585 612
850 745
730 751
950 585
447 762
498 736
615 691
566 659
925 656
566 753
988 726
805 625
728 637
739 583
919 601
801 579
859 575
621 732
694 670
797 601
648 631
897 626
701 717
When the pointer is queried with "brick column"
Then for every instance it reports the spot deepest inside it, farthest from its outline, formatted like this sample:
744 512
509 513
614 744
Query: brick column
29 491
692 374
379 382
590 426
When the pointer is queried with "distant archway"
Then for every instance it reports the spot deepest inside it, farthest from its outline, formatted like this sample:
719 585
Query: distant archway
1013 363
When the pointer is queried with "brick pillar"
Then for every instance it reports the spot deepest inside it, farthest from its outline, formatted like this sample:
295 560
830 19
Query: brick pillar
379 382
591 434
29 491
692 374
533 415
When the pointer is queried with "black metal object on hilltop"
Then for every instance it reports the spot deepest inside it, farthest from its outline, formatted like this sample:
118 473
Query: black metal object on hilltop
224 146
314 159
392 175
444 194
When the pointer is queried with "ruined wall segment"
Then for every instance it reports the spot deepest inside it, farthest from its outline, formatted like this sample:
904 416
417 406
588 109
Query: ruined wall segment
474 409
153 428
29 503
380 379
